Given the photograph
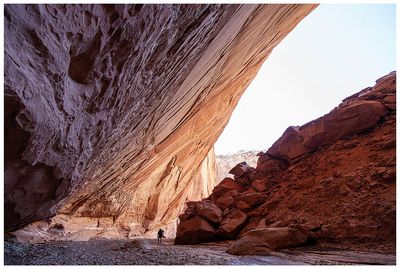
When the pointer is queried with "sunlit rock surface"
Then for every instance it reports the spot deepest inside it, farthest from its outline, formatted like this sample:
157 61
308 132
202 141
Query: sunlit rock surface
111 111
332 179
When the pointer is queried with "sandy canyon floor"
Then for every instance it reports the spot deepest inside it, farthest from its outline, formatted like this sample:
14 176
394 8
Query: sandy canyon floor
148 252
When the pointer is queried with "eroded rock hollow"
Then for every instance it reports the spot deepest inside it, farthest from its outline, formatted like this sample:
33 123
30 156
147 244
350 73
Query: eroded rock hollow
111 111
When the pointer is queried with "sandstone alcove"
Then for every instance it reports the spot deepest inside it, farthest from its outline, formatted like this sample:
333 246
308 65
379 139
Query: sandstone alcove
111 114
111 109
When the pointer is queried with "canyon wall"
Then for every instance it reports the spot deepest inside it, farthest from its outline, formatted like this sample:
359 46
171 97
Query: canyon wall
225 162
332 179
110 110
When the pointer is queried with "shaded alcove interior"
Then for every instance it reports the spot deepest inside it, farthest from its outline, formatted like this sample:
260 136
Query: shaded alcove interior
134 197
105 82
130 156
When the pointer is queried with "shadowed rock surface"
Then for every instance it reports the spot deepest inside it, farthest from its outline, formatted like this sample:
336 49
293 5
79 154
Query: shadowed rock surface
112 110
332 179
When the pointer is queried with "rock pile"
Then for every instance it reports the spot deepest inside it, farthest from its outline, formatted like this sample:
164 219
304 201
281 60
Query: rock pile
331 179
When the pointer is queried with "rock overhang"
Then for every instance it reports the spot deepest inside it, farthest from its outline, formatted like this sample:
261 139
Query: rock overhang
115 107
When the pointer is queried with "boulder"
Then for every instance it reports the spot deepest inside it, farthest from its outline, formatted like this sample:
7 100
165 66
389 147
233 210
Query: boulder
263 241
259 185
269 205
224 202
209 211
231 224
241 169
242 205
243 181
189 212
269 167
227 184
185 216
249 246
194 231
251 224
287 147
252 199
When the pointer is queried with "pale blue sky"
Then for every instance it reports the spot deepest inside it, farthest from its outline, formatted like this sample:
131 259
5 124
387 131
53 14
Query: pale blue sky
337 50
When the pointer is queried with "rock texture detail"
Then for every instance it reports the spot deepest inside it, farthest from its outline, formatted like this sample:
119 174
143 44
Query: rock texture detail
110 110
333 178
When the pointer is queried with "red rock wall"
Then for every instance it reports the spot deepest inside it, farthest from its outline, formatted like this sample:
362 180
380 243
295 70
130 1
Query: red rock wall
344 175
333 178
111 109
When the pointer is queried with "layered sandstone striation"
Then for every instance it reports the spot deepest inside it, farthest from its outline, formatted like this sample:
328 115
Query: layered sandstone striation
111 111
333 178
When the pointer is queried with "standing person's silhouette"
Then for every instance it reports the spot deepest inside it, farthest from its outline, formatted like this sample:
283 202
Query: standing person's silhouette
160 235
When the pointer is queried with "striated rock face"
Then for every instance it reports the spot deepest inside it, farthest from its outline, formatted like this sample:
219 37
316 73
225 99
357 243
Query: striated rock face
333 178
111 111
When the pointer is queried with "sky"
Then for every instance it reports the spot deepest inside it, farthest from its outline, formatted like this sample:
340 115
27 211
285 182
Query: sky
336 51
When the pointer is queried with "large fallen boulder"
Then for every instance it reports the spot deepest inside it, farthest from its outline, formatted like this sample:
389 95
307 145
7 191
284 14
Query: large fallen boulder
241 169
231 224
268 166
189 212
224 201
194 231
227 184
263 241
209 211
252 197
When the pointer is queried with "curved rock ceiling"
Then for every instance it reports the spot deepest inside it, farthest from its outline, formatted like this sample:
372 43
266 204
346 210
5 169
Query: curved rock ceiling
110 110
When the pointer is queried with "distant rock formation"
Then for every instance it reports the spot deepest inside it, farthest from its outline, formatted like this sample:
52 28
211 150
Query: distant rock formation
225 162
333 178
110 110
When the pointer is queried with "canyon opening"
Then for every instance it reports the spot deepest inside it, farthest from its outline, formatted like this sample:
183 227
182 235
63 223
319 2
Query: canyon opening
111 112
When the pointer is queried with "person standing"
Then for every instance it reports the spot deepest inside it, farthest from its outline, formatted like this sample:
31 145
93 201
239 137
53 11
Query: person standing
160 235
